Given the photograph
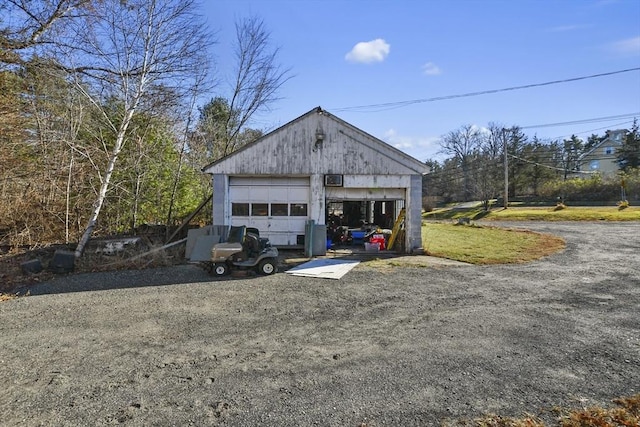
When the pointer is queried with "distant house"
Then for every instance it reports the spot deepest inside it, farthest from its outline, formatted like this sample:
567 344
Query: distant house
602 157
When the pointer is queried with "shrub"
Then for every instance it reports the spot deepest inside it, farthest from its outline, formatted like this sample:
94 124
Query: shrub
623 204
594 188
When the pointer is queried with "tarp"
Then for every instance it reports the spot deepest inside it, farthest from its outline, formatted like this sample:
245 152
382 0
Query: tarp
324 268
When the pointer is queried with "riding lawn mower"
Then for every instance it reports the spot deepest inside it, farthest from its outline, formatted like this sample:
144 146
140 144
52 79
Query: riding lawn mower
244 250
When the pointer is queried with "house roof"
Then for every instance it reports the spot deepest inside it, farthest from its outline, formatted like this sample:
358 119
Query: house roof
295 149
606 141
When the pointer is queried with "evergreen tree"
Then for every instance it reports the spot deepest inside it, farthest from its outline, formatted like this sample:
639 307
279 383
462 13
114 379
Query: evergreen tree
629 154
592 141
572 150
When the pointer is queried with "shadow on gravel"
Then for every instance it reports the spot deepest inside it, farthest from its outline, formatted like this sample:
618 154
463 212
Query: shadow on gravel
172 275
122 279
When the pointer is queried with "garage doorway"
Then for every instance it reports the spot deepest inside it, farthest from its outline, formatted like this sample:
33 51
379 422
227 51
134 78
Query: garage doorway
350 222
362 213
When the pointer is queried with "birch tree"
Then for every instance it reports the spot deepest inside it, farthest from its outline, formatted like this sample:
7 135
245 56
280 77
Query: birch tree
33 24
127 49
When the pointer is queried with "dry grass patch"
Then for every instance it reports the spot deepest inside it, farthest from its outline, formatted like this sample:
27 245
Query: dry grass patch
625 414
487 245
7 297
566 213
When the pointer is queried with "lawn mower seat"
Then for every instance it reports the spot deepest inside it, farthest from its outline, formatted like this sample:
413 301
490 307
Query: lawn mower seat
263 242
251 245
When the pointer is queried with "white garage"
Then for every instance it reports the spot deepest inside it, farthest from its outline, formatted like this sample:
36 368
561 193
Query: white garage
317 168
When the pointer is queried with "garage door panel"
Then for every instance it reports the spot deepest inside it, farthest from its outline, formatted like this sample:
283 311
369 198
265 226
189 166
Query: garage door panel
278 194
242 193
279 229
298 193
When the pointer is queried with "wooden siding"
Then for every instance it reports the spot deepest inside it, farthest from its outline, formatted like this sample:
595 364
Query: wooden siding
294 150
607 163
371 169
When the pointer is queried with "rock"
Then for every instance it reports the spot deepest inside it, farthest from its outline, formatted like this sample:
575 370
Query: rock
33 266
62 262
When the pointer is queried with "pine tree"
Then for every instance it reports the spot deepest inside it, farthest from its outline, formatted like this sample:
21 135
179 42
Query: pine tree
629 153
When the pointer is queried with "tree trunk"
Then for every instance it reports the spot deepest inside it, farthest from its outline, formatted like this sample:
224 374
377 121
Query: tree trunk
68 202
104 186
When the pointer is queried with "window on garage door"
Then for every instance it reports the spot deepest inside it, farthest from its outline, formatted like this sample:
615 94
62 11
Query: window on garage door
259 209
240 209
298 209
262 209
279 209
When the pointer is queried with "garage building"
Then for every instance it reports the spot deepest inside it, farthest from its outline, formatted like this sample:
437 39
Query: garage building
317 167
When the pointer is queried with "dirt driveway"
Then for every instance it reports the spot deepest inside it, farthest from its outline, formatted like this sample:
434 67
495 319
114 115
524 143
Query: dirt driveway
393 346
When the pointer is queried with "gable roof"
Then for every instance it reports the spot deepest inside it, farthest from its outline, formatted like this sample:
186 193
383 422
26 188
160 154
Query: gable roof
295 149
608 141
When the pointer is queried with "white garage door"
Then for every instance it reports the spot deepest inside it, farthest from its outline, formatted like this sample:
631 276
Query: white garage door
278 207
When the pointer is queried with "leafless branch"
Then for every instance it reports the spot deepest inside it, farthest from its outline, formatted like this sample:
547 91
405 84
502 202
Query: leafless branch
258 75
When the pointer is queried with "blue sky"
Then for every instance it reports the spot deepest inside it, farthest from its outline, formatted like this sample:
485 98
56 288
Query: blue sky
345 54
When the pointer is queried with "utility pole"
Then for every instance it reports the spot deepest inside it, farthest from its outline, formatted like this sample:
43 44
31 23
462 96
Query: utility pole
506 169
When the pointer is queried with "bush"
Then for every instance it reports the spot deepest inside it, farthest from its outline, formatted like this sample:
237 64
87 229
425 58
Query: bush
623 204
595 188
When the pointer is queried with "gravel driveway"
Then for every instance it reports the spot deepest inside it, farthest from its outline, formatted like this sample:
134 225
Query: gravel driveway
381 347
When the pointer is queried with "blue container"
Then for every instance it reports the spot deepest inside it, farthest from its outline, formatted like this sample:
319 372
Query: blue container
358 235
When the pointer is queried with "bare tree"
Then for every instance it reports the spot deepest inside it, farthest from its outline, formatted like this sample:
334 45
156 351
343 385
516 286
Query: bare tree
32 24
257 78
223 123
126 48
199 83
487 168
463 144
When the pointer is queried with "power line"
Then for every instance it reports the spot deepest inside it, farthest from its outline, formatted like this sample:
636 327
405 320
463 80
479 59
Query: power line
392 105
593 130
547 141
551 167
583 121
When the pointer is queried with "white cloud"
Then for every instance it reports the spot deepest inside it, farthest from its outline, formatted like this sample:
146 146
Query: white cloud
366 52
431 69
625 47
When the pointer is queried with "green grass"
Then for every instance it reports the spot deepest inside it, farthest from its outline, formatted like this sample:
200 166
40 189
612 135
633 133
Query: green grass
487 245
569 213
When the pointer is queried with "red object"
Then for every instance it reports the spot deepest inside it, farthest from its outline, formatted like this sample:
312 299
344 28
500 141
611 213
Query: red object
379 239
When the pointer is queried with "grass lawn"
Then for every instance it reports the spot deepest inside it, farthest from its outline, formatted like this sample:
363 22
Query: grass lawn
487 245
569 213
